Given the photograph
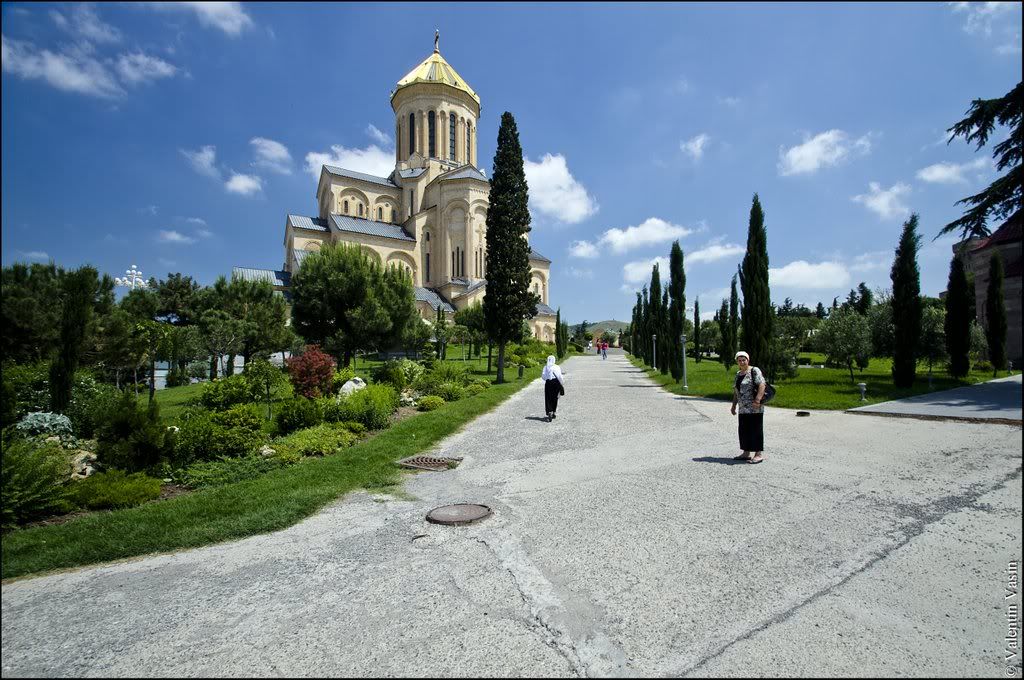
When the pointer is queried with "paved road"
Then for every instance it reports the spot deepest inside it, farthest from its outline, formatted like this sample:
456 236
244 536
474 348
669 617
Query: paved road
993 400
624 542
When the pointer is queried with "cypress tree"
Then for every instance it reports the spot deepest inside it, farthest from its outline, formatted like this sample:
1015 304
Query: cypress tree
559 348
78 289
995 313
654 310
676 311
645 327
634 327
906 305
757 304
508 300
725 330
734 323
958 323
696 330
665 351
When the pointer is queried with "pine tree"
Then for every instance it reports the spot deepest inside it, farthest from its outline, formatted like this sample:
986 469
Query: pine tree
820 312
734 322
906 305
676 312
696 330
864 299
78 289
655 335
508 300
725 330
995 313
958 323
757 309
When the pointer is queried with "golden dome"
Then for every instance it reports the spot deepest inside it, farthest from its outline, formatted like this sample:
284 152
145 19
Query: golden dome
435 69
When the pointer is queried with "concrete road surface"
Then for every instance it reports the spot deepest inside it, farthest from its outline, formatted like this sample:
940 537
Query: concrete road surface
624 542
993 400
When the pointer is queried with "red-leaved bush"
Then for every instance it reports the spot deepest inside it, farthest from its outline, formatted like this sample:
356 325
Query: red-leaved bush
311 372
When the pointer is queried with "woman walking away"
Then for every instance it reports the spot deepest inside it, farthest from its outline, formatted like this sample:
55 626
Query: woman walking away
748 391
554 385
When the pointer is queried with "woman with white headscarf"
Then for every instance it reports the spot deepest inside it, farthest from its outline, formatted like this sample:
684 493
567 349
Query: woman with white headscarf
748 394
554 385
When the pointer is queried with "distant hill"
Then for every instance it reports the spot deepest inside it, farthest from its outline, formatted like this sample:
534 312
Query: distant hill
610 325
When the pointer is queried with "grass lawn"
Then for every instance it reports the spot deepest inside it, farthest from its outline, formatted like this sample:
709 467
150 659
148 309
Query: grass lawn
814 388
271 502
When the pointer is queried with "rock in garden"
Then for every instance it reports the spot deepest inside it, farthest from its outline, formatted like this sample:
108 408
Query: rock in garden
267 452
82 464
351 386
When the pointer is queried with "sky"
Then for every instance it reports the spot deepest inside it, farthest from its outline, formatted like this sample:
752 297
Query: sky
179 136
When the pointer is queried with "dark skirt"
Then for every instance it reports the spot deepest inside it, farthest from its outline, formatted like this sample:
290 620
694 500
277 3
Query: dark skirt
552 388
752 431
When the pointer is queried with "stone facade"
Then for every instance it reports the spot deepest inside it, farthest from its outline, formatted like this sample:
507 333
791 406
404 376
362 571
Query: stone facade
429 215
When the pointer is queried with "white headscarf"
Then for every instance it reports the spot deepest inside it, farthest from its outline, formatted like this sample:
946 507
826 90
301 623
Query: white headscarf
552 370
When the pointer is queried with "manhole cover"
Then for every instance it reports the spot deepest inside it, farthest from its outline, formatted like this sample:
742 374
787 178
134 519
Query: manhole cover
429 463
803 414
456 515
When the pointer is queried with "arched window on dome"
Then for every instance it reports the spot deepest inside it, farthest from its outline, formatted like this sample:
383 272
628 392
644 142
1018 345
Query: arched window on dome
451 136
468 134
426 238
412 133
344 207
360 209
432 134
380 214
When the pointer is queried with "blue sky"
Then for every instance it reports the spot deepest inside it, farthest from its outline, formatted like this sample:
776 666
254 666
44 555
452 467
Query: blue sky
179 136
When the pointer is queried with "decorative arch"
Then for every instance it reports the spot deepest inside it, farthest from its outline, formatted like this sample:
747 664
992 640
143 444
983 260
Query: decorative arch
404 260
539 284
354 196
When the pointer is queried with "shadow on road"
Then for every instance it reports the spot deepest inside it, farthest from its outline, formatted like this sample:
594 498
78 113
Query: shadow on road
537 418
723 461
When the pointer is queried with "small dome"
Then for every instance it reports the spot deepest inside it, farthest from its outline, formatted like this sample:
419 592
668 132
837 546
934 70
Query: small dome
435 69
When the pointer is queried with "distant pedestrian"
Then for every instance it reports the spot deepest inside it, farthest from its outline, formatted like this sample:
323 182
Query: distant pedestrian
748 393
554 386
604 350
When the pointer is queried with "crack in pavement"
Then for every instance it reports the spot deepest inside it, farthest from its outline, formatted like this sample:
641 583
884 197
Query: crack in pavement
946 505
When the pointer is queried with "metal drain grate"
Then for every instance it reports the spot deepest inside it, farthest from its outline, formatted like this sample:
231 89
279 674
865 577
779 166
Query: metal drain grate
429 463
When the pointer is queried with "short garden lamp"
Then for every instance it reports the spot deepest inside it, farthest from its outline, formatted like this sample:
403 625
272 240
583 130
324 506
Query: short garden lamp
654 350
863 388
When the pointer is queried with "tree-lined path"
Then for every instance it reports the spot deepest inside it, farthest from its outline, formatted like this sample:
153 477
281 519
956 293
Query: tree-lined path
624 542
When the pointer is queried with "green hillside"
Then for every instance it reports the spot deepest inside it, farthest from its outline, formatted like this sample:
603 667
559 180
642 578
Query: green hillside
610 325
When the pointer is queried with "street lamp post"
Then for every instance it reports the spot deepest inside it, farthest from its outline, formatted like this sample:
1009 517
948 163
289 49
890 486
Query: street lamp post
654 351
133 279
683 339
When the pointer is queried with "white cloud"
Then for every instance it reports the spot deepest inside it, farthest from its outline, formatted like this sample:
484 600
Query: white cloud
203 160
139 68
171 236
639 272
731 102
996 22
149 210
580 273
555 192
229 17
801 274
378 136
246 185
35 255
195 220
879 259
372 160
713 252
712 299
204 233
951 173
823 150
70 71
885 202
83 22
695 146
272 155
584 249
651 231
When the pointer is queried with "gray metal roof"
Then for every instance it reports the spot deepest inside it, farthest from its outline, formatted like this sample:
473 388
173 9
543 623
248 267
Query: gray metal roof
534 255
363 226
310 223
468 172
544 309
299 256
409 173
271 276
342 172
432 298
476 285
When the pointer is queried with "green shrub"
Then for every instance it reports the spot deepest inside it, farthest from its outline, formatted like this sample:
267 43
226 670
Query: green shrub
354 427
983 366
91 403
450 372
411 369
227 392
26 390
114 489
133 438
322 440
34 483
44 423
176 378
473 390
206 436
482 382
229 470
342 376
372 406
390 373
449 391
429 403
299 413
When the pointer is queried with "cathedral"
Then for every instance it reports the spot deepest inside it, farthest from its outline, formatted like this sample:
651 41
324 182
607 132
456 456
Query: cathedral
429 215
